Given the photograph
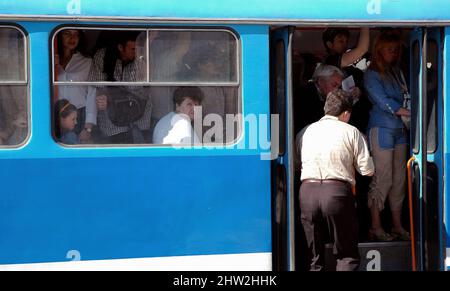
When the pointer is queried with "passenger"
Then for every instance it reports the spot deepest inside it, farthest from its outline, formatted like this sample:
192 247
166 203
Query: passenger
74 66
387 135
310 65
329 150
353 62
118 62
335 41
65 115
176 127
308 104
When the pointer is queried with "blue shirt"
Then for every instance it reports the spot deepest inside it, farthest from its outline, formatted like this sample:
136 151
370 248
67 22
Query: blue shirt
70 138
387 98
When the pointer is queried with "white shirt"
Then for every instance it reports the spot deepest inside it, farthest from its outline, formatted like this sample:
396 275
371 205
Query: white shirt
174 128
332 149
77 70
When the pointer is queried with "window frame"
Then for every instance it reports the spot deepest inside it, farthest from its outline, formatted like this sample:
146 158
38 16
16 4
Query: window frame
236 84
25 83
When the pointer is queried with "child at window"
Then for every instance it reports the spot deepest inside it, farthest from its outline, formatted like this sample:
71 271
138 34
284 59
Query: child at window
65 122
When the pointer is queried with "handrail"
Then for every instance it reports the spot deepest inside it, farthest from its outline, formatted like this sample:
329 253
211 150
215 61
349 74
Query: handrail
411 213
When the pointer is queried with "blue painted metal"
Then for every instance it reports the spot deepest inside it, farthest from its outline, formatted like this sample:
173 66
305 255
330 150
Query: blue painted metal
133 207
446 91
214 9
434 34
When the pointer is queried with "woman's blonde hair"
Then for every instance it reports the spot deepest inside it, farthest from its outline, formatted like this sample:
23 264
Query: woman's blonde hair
383 39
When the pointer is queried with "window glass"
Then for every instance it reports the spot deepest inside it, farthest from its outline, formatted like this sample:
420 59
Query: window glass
100 56
12 55
193 56
106 92
432 95
216 120
415 97
14 119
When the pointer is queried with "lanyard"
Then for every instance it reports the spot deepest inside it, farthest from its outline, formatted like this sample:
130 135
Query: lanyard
400 81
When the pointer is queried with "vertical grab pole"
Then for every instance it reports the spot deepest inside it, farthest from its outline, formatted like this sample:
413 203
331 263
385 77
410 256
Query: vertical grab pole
290 146
411 213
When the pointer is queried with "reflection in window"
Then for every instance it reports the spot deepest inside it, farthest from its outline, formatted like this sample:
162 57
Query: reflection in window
119 96
432 95
181 56
14 121
12 55
415 97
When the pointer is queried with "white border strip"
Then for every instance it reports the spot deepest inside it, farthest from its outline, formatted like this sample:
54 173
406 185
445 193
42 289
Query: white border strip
233 262
447 260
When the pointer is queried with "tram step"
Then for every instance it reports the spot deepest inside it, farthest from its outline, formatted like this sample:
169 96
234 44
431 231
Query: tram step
376 256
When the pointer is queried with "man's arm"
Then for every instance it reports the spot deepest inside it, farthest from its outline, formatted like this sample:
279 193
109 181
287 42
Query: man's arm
363 161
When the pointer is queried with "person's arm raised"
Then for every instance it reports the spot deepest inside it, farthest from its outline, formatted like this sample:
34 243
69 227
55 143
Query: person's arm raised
353 55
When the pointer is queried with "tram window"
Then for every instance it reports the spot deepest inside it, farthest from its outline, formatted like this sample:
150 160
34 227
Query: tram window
117 97
432 94
416 60
14 119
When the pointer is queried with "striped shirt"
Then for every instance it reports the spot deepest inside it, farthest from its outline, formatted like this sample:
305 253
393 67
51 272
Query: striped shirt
135 71
332 149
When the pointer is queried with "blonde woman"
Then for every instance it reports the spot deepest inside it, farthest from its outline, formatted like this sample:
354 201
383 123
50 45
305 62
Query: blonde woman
387 135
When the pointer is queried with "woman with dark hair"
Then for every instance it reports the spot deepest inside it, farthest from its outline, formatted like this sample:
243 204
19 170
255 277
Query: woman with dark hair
74 66
335 41
65 115
176 127
387 134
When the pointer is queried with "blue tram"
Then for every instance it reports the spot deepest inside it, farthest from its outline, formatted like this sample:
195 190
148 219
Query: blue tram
227 203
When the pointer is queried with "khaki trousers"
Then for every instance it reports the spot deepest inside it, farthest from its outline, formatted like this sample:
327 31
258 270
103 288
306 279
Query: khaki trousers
389 180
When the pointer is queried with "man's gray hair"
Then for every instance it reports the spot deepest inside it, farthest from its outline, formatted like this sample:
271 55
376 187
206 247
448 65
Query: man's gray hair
325 71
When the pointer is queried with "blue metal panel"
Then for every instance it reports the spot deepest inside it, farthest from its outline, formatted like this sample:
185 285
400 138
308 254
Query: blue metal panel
437 156
250 9
446 88
133 207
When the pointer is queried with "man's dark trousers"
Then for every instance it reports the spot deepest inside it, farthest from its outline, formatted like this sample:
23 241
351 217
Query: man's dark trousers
330 203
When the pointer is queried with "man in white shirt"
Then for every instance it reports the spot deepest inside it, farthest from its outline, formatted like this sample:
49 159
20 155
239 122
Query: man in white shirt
175 127
329 151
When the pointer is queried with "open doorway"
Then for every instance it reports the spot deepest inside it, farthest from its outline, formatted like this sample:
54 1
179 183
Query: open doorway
308 50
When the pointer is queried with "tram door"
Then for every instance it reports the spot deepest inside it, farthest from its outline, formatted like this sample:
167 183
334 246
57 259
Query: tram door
426 168
282 167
